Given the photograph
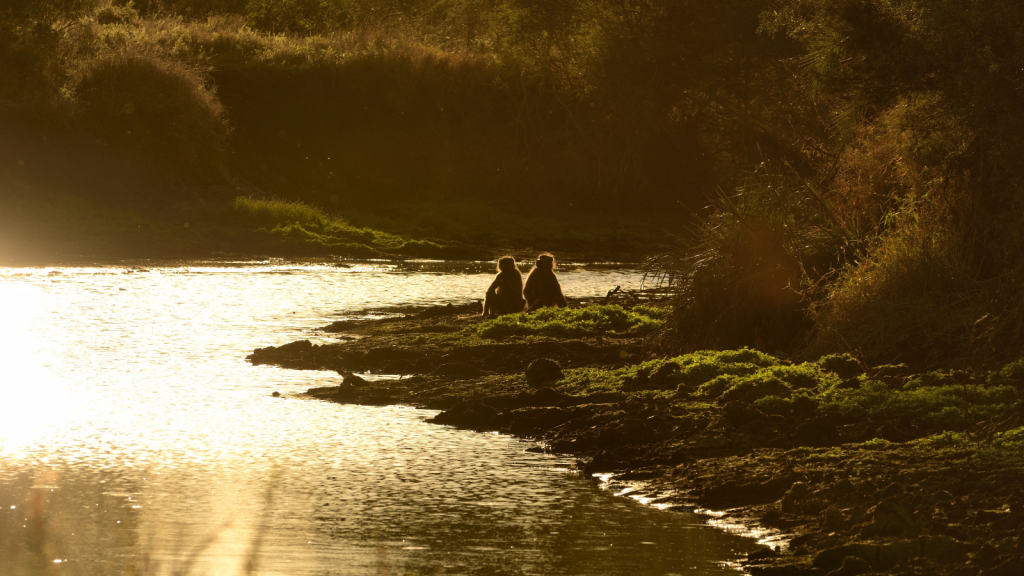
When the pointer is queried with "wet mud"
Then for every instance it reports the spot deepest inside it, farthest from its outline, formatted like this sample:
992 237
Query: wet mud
837 496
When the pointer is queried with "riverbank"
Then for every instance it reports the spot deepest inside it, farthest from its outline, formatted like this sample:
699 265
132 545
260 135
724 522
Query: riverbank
851 468
66 199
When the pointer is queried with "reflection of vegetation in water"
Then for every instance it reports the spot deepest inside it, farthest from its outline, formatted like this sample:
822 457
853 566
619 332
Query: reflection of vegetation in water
52 533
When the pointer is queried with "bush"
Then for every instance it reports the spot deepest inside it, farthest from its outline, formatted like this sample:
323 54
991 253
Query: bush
913 295
163 107
740 281
296 16
843 365
1012 373
114 14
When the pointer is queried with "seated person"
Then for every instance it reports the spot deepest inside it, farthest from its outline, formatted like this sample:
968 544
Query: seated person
505 295
542 287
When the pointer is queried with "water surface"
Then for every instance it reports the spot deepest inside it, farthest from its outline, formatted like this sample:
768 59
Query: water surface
135 428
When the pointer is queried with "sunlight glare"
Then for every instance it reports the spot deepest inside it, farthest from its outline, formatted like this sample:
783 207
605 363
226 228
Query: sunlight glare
34 399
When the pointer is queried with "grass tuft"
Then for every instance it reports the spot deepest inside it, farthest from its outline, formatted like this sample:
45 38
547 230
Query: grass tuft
272 213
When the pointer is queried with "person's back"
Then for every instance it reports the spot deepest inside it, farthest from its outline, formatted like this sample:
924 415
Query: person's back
542 287
505 294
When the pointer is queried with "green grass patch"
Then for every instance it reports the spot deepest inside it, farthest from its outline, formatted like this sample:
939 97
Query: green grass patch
940 400
279 212
296 225
574 322
41 224
947 405
668 374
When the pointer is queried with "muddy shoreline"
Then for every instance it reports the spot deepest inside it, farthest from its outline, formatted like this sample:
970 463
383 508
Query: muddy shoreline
840 495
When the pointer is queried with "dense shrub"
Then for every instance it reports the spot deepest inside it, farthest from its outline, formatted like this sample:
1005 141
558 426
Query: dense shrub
741 281
31 67
296 16
146 102
912 294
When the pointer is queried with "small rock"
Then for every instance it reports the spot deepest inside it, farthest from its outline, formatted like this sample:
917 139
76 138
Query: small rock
475 415
799 489
544 397
763 554
276 394
891 517
295 347
894 490
352 380
833 519
852 566
832 559
543 371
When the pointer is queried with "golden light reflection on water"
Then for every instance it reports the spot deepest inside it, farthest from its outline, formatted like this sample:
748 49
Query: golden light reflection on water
131 386
34 398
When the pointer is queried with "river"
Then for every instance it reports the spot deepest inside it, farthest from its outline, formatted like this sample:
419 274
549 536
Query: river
135 438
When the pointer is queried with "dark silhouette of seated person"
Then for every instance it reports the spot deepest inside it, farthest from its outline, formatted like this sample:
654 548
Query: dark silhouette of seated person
505 295
542 287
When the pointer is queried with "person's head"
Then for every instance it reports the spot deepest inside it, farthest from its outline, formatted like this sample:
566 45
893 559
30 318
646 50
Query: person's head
545 262
507 264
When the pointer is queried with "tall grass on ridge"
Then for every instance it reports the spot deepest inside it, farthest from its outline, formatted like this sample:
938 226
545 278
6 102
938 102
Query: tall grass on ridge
275 212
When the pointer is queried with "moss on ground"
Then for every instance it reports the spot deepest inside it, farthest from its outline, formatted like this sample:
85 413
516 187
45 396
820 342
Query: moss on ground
831 451
591 321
